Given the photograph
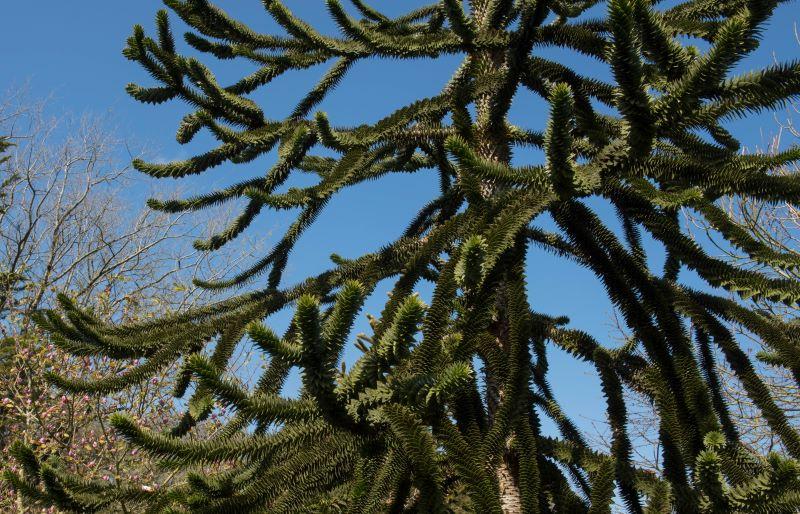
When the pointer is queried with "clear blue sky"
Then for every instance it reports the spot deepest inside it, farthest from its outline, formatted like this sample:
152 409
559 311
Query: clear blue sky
71 51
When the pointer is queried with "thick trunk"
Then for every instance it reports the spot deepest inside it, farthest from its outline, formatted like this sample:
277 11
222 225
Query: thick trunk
507 472
510 499
492 144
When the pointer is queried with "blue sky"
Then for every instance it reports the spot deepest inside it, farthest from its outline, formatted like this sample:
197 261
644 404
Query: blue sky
71 52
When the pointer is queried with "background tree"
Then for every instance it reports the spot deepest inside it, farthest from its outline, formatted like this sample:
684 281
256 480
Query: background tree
442 411
66 227
4 144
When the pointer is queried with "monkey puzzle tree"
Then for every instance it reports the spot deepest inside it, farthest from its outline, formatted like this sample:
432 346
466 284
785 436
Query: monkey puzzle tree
442 410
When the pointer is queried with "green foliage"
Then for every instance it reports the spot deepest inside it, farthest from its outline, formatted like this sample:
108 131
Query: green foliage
4 183
408 428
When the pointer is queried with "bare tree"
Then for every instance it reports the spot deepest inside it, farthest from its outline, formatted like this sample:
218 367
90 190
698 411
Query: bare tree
71 224
72 220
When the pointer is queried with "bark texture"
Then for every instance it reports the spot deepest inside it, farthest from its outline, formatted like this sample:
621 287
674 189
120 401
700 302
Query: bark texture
492 144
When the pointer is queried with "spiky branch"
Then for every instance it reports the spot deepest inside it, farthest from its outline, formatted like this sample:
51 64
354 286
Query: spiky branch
408 428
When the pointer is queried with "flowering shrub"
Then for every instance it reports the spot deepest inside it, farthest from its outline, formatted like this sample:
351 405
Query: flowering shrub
74 429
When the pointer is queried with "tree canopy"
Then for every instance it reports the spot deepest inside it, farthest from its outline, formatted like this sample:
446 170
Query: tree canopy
442 411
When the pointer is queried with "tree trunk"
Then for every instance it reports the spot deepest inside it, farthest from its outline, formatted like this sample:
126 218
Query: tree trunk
492 144
510 500
507 472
